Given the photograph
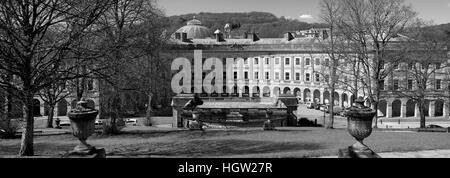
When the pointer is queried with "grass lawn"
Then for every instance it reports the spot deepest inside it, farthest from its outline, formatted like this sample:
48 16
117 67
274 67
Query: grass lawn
253 143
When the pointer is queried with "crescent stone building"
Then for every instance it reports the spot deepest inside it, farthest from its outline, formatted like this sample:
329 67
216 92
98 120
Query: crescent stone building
264 68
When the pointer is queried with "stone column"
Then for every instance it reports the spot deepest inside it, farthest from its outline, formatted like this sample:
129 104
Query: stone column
389 110
446 115
293 70
251 73
322 96
262 72
417 111
302 69
272 71
432 109
403 110
241 80
282 69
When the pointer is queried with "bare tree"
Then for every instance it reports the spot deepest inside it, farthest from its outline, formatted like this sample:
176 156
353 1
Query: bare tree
374 25
133 34
52 95
35 40
426 60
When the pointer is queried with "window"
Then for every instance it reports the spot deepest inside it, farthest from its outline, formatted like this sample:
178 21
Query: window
277 61
245 61
317 61
396 66
235 75
90 84
256 61
235 62
267 61
287 76
438 66
395 85
297 61
256 75
438 84
308 61
327 62
410 84
267 76
288 61
297 76
277 75
317 77
246 75
308 77
381 85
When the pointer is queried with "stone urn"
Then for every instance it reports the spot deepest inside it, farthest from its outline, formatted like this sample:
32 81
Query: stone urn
82 123
268 125
195 123
359 126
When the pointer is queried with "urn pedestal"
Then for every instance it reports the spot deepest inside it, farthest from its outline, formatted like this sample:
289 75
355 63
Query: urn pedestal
82 123
268 125
359 126
195 123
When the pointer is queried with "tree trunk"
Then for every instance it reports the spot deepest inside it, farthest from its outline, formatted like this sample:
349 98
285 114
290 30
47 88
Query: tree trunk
149 111
50 116
330 123
26 148
422 113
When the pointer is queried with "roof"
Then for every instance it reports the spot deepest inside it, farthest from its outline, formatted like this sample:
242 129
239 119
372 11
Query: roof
195 30
237 105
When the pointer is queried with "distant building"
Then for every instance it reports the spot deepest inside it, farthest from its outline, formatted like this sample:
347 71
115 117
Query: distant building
314 33
264 68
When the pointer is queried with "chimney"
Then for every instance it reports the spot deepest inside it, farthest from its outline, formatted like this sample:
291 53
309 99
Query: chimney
219 36
288 36
255 37
184 37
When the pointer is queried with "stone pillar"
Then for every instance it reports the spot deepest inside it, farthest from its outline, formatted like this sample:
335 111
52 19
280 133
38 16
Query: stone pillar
272 70
176 118
241 80
283 77
293 70
302 69
417 111
322 96
445 112
389 110
403 110
432 109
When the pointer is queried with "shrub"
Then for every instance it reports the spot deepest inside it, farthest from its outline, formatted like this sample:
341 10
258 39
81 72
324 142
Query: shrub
9 129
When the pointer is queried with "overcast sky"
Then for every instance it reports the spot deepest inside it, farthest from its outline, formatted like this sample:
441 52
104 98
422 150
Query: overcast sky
437 11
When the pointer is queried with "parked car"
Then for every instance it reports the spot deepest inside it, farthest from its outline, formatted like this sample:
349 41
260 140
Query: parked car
318 106
337 110
432 126
311 105
64 123
131 122
323 107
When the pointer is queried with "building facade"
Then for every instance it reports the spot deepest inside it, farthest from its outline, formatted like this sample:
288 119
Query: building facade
264 68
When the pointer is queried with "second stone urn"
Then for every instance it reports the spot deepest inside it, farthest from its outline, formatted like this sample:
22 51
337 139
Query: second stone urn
82 123
359 125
